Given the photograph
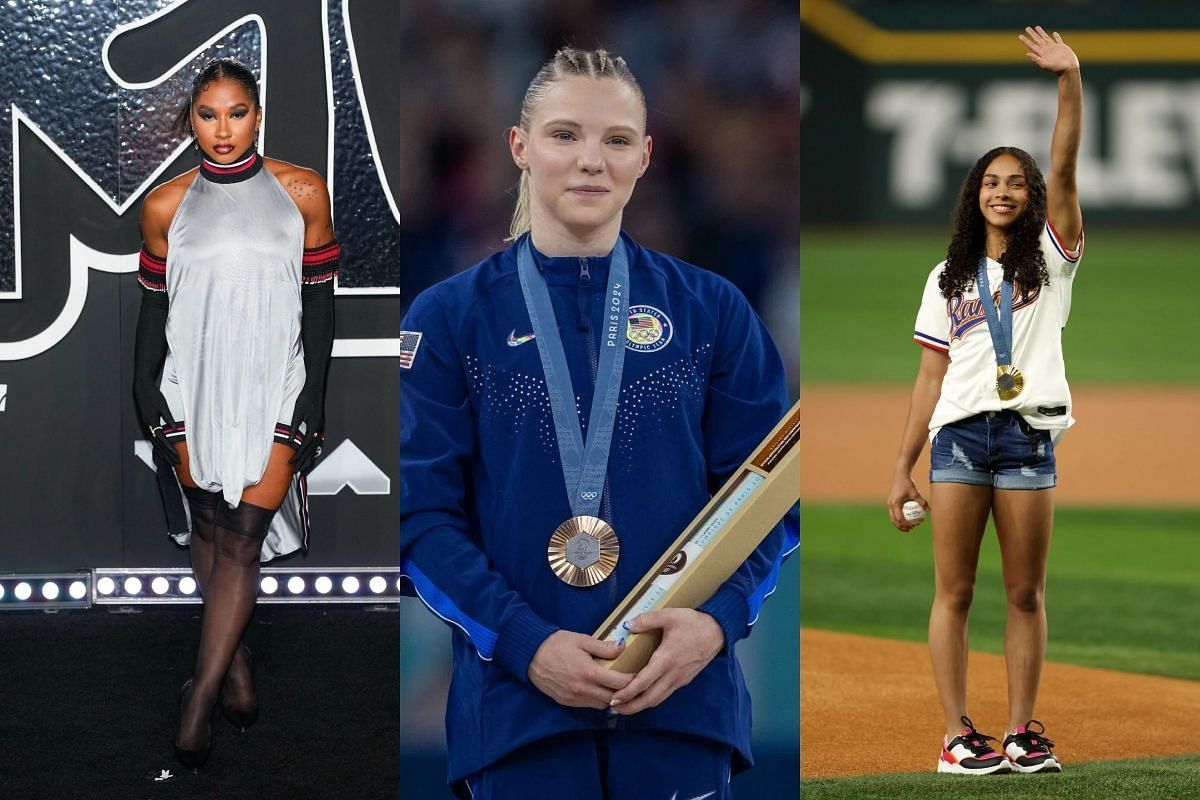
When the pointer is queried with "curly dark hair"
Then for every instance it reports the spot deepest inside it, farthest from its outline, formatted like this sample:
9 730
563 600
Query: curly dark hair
1024 264
215 70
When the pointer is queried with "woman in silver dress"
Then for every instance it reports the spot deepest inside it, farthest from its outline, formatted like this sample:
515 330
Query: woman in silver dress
237 270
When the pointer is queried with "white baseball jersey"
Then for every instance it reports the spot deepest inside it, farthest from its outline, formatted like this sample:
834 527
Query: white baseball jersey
958 326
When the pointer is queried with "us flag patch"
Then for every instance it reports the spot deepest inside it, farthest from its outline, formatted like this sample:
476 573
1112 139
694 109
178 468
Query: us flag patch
409 342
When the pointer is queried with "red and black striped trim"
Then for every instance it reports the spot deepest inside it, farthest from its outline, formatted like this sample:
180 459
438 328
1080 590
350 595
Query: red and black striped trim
152 271
175 432
247 166
284 435
320 264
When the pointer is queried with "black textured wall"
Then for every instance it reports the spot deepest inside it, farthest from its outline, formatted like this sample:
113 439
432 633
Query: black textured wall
93 89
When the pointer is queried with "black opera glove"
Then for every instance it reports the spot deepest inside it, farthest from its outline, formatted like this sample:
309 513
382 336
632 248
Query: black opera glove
316 334
149 350
151 406
309 410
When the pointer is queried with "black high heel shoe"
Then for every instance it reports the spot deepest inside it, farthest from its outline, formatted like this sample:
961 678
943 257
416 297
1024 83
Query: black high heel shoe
192 759
240 718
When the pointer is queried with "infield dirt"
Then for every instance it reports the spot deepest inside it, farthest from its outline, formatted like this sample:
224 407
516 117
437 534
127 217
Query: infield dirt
853 688
1130 446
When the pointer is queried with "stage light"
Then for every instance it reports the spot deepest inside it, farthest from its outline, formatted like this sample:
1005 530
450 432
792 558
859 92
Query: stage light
143 585
77 590
399 584
42 591
330 585
45 590
137 586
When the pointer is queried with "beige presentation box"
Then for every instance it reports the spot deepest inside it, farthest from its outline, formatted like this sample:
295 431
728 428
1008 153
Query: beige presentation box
715 543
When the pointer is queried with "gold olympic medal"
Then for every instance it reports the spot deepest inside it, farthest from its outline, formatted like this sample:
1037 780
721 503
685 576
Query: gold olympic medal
583 551
1009 382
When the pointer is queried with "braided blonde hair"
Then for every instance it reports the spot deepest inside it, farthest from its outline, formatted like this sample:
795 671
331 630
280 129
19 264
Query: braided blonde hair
567 62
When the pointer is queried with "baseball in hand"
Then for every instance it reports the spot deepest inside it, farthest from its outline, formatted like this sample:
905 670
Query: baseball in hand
913 512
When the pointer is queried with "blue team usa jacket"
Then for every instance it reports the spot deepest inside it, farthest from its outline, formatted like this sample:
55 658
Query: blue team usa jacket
481 488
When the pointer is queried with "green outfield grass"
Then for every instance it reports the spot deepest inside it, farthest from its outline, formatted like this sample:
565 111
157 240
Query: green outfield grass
1122 591
1145 779
1132 321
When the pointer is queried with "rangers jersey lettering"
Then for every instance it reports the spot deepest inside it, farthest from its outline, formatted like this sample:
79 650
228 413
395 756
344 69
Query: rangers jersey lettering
957 326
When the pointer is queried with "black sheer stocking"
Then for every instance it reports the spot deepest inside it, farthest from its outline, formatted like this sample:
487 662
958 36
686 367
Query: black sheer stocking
203 506
238 687
230 588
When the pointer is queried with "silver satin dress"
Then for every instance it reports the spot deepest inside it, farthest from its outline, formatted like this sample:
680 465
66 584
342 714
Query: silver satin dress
235 363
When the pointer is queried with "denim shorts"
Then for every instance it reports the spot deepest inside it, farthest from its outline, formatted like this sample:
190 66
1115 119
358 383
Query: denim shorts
996 448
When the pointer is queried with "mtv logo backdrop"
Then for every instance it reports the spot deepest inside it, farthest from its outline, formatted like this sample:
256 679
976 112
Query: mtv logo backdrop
90 91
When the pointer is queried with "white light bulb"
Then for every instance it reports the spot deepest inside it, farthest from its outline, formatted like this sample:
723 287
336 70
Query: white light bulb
77 590
133 585
377 585
323 585
159 585
50 590
269 585
350 584
106 585
295 584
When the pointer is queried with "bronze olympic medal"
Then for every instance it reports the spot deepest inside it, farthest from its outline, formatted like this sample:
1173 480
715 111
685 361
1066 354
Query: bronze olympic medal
583 551
1009 382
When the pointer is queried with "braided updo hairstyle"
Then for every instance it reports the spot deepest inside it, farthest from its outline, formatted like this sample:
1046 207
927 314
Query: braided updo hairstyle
215 70
567 62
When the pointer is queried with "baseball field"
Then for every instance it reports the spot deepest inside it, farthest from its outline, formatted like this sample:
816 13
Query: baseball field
1120 693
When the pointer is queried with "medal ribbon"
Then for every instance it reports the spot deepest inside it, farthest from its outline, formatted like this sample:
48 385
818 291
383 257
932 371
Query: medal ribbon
584 468
1000 325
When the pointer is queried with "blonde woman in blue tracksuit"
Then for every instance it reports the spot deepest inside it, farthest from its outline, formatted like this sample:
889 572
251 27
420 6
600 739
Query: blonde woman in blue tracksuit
660 372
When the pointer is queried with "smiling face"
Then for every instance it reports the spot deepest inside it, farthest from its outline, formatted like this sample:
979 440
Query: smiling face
584 151
1003 192
225 120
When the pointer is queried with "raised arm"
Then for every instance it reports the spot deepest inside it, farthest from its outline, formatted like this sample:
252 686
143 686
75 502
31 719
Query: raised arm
1052 54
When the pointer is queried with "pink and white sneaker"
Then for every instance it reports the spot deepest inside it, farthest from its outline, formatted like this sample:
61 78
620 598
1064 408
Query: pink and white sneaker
970 754
1030 751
